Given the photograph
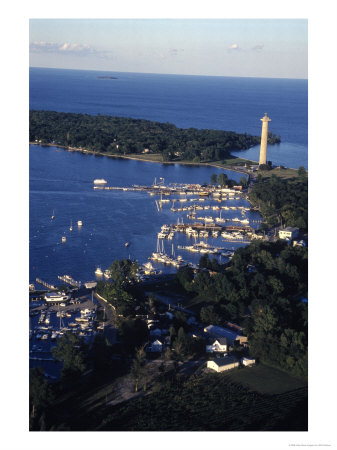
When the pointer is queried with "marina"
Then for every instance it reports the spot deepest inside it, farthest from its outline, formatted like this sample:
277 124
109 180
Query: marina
49 322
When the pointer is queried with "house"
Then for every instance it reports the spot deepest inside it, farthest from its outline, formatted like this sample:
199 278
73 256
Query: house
219 345
288 232
231 336
154 347
299 243
247 361
223 364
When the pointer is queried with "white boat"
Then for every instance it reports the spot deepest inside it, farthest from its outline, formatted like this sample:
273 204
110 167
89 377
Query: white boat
56 297
71 226
100 181
98 271
53 216
127 244
79 223
64 239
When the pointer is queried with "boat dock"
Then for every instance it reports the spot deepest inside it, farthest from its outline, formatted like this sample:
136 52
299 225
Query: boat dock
211 227
44 283
69 280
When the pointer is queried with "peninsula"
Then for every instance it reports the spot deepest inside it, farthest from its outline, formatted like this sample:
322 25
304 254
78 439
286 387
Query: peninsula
126 137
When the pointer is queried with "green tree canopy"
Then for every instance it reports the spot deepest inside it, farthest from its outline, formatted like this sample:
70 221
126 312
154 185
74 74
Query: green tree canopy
73 354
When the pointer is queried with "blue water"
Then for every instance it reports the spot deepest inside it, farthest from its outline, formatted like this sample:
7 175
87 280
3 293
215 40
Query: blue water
62 182
225 103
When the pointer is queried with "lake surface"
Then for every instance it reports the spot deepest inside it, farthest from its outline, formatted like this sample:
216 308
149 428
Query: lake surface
62 181
224 103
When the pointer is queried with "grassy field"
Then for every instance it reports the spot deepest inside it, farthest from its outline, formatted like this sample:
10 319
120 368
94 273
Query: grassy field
281 173
265 379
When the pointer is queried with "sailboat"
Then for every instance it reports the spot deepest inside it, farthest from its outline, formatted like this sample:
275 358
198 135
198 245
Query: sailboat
53 216
71 226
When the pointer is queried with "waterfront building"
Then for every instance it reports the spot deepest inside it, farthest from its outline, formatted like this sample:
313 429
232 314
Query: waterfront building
264 139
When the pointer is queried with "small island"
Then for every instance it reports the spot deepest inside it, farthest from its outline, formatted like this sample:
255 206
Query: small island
106 77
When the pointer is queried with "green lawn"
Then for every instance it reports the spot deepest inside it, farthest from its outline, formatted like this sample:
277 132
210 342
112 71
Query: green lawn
265 379
281 173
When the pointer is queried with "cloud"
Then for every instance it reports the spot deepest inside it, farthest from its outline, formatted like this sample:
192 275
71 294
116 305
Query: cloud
234 47
175 51
66 47
258 47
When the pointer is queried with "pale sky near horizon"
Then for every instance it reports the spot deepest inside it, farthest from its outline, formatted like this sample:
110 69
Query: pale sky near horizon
271 48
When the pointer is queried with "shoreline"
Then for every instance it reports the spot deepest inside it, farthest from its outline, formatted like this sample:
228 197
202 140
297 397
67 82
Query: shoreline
91 152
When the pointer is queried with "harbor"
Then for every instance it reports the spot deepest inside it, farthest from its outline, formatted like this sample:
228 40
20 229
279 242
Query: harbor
48 323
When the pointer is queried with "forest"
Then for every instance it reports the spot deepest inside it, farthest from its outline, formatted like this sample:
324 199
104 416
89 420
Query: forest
282 202
125 136
262 289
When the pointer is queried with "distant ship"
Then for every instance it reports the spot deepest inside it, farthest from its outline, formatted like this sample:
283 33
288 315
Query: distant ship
52 216
100 181
127 244
79 223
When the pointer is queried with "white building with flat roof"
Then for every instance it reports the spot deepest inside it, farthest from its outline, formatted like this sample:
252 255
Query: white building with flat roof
288 233
223 364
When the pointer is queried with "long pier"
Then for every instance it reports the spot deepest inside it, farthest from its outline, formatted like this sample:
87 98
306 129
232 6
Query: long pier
211 227
44 283
69 280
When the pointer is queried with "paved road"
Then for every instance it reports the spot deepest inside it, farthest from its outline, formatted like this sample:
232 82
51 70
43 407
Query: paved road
173 301
109 325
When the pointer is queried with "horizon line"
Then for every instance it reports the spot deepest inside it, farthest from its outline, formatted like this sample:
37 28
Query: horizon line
161 73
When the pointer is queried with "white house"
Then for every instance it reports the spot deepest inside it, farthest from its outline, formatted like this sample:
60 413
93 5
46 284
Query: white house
288 232
219 345
155 346
231 336
247 361
223 364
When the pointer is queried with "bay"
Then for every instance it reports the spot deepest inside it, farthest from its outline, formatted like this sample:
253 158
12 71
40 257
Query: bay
61 183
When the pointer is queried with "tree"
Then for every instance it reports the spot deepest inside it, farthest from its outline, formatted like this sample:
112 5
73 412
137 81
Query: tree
185 276
124 271
138 371
214 178
243 181
222 179
209 316
301 172
133 333
41 397
73 353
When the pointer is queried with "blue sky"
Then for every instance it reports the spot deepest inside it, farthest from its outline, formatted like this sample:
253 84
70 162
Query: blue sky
274 48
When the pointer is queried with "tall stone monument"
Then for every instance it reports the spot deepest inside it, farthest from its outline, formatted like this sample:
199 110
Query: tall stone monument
264 138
